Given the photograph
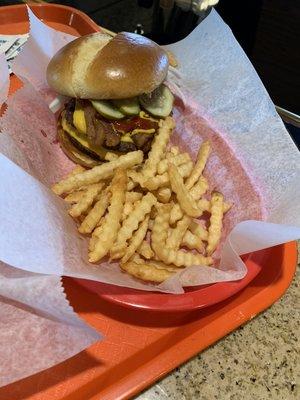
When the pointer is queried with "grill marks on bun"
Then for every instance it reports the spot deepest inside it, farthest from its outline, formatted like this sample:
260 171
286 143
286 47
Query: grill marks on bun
100 67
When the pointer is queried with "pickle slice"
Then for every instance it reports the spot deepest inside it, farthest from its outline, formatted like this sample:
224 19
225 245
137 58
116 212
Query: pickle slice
128 106
158 103
107 109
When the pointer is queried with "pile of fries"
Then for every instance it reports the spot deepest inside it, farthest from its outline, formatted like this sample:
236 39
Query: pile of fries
144 213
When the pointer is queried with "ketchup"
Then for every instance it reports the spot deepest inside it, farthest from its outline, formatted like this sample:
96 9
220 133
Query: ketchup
129 124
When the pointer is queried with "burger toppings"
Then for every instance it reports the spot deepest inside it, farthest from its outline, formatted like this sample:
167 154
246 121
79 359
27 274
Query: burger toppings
138 123
159 102
117 125
128 106
126 147
96 130
107 109
113 138
143 141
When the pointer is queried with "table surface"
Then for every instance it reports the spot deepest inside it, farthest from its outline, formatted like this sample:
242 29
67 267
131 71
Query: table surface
260 360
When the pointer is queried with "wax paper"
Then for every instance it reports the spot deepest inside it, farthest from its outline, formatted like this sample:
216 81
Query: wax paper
38 327
220 97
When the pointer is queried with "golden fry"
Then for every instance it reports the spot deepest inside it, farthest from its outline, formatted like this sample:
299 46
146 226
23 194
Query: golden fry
136 177
192 242
163 194
181 258
185 200
196 192
145 250
77 170
146 272
111 223
176 235
110 156
96 234
74 197
180 159
136 240
98 173
131 185
87 200
176 214
137 259
127 209
169 256
160 265
131 224
164 180
198 230
158 148
96 213
174 150
202 157
200 187
215 227
205 205
133 196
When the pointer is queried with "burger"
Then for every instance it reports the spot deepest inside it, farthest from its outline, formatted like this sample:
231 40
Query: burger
116 95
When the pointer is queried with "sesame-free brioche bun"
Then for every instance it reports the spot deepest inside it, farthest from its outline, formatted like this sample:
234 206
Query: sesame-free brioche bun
98 67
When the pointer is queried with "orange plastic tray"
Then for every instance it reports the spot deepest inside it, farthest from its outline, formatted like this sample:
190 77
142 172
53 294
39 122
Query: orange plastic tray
139 347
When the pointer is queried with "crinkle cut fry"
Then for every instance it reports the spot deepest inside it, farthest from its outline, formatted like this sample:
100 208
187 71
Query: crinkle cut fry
74 197
185 200
145 250
87 199
146 272
192 242
203 205
77 170
127 209
200 187
177 234
158 148
97 212
163 180
136 240
198 230
180 159
215 227
98 173
202 158
163 194
133 196
111 223
159 237
131 224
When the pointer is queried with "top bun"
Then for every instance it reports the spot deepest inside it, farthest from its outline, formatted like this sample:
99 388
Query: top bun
97 66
